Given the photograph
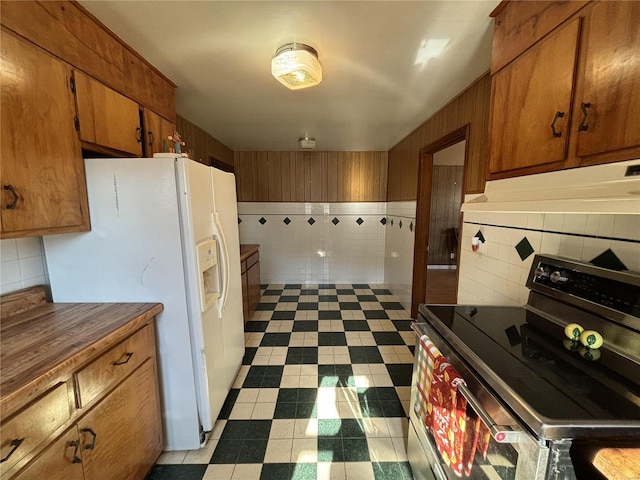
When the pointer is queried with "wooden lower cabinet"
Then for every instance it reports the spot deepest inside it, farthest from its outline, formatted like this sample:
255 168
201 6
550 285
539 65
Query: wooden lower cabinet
121 437
253 283
60 461
113 431
250 270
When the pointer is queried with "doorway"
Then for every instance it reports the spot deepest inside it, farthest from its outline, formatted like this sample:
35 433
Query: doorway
438 220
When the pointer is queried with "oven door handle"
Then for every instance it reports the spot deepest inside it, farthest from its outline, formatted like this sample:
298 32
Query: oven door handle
500 433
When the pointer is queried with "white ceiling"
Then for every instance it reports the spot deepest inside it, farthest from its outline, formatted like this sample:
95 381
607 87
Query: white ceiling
375 88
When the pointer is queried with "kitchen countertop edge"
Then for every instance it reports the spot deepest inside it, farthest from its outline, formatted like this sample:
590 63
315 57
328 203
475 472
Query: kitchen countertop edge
82 331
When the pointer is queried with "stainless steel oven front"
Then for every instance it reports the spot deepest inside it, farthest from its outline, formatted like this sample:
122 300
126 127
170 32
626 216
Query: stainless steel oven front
513 453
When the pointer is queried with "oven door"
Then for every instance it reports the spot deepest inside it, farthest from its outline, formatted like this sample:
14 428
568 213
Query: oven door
512 454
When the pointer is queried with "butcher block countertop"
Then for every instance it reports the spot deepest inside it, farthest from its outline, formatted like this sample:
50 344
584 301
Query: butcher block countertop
247 250
619 463
41 341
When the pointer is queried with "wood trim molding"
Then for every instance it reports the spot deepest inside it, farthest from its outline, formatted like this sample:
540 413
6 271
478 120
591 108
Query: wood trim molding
423 209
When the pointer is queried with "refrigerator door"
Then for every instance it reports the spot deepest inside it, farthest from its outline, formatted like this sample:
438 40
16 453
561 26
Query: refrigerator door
133 254
230 302
196 205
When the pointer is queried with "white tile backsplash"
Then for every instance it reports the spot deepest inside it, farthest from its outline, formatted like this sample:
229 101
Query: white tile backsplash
22 264
398 261
496 274
324 252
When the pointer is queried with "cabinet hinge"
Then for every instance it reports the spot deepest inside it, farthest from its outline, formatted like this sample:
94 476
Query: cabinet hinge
72 84
76 123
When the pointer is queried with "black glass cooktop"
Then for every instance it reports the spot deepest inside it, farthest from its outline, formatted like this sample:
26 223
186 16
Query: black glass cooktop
526 352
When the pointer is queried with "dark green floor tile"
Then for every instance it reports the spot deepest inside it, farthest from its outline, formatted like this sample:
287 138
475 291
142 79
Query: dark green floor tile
177 472
352 428
355 449
276 471
330 450
329 427
405 468
306 410
227 451
304 471
252 451
285 410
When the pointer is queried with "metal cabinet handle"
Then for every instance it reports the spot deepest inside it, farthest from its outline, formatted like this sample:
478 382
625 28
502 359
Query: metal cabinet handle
151 137
15 443
139 134
500 433
556 134
92 445
583 123
76 458
12 205
127 356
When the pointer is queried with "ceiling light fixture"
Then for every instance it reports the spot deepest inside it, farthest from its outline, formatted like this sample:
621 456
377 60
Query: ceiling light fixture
296 66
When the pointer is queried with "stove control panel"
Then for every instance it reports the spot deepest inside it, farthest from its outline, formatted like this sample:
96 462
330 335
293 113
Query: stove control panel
619 291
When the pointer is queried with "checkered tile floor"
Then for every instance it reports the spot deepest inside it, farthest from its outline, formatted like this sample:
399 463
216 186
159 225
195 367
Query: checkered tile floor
323 392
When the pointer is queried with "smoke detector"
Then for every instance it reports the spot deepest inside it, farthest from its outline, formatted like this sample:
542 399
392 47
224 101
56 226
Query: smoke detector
306 143
296 66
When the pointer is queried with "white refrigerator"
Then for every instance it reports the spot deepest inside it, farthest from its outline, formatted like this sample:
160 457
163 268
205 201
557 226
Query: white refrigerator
165 229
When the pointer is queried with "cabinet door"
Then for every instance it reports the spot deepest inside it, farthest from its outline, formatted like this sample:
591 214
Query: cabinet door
610 81
527 95
107 118
41 155
245 295
62 460
157 130
253 281
121 437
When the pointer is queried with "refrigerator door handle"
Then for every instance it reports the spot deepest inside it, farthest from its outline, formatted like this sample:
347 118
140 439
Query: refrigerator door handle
224 261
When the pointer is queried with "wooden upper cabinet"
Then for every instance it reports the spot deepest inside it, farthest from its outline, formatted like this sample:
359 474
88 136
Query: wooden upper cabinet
41 154
531 104
107 118
585 72
607 109
157 129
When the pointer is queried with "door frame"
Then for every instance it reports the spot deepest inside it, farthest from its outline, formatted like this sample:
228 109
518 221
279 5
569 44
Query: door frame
423 212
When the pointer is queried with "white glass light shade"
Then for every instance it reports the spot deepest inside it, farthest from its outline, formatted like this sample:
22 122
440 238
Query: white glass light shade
296 66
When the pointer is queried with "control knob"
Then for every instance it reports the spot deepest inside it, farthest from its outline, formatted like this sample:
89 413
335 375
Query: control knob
558 277
541 273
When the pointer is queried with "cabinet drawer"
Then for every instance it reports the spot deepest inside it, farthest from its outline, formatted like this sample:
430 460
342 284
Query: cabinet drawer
26 430
113 366
253 259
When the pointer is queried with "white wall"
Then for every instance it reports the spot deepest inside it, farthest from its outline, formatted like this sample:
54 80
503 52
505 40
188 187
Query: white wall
324 252
22 264
398 257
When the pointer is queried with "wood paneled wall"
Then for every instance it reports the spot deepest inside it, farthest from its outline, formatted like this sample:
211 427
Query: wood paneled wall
446 198
72 34
311 176
470 107
203 146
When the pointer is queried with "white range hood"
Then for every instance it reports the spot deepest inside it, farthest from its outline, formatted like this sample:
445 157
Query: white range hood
595 189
